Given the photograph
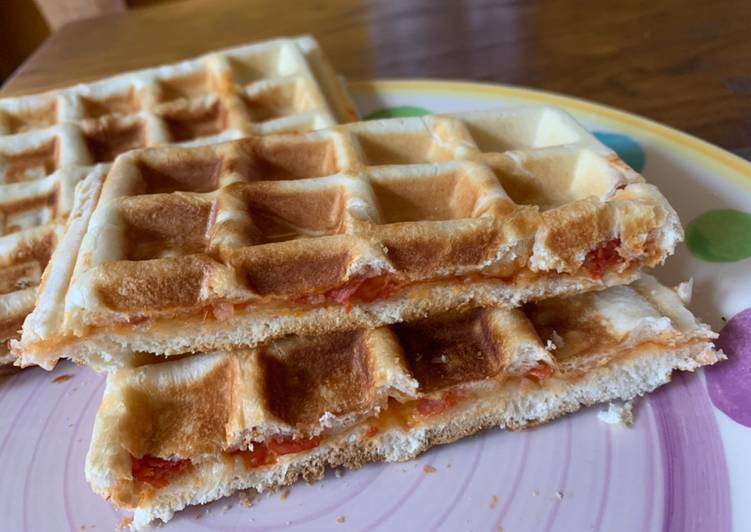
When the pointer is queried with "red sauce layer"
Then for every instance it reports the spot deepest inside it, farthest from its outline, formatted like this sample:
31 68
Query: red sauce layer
603 258
265 453
157 471
541 372
359 290
286 445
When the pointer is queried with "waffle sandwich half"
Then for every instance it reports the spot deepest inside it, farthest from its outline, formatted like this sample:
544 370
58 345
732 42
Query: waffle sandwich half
194 429
207 248
49 141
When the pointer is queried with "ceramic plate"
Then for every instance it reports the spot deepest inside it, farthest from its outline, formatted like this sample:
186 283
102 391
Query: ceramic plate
683 466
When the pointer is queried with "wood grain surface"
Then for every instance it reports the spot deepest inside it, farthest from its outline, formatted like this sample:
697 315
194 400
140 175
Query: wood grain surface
686 63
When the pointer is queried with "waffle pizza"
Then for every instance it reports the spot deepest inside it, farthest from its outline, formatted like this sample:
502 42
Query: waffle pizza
32 216
214 247
196 428
49 141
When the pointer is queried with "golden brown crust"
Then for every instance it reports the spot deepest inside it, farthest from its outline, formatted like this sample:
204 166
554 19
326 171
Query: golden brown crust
450 349
306 386
318 266
48 142
304 380
182 418
103 349
306 219
165 283
291 386
516 406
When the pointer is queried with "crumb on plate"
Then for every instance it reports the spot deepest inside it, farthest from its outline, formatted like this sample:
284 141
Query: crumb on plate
618 414
246 498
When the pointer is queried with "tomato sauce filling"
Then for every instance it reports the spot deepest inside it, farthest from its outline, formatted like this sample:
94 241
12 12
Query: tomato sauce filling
368 289
265 453
157 471
280 445
257 457
413 412
603 257
541 372
433 407
361 290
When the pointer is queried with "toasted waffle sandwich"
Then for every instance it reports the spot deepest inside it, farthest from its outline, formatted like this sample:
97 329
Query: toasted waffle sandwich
216 247
49 141
194 429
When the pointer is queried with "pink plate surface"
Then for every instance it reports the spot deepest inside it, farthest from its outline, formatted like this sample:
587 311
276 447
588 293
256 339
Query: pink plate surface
574 474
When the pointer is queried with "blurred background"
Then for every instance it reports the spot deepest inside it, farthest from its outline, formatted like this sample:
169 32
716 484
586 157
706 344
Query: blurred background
25 24
686 63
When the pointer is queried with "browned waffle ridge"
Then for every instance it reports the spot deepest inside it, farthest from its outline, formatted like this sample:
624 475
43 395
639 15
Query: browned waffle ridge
218 246
346 398
49 141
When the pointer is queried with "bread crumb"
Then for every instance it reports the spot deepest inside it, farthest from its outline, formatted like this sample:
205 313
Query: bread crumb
429 469
493 502
222 310
338 473
618 414
226 508
557 339
535 492
559 495
284 494
246 498
125 522
685 291
340 519
57 380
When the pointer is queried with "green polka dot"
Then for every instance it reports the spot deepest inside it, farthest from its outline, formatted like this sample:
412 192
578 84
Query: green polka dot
393 112
722 235
627 148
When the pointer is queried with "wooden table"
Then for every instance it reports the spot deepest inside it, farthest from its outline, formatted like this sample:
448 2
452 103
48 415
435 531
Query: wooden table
686 63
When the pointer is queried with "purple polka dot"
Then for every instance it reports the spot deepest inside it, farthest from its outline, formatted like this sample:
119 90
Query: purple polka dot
729 383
